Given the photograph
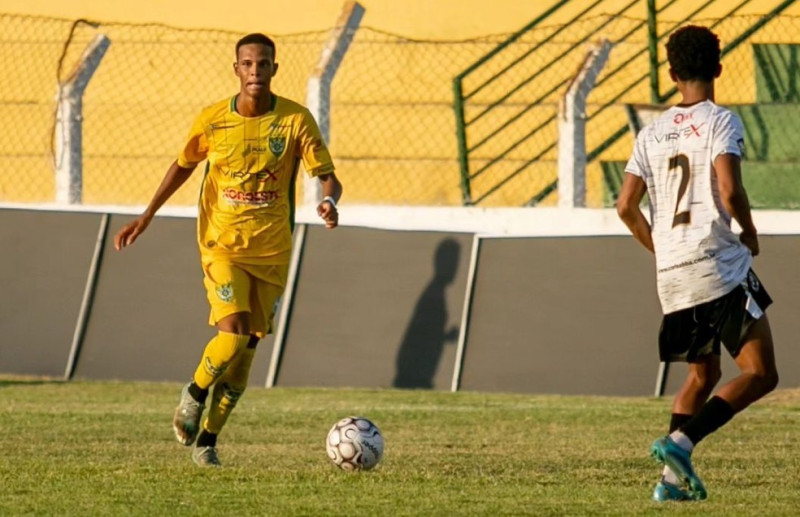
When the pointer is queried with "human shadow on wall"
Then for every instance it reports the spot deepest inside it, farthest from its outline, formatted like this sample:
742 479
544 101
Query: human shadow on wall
426 336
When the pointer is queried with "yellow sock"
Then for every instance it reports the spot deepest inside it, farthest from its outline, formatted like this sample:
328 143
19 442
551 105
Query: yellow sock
228 390
219 353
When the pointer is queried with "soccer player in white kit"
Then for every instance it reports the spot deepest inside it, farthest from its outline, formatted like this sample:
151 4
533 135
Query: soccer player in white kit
688 162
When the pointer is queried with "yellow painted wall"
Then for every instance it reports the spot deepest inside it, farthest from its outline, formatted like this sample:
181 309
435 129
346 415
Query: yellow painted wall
393 132
426 19
438 19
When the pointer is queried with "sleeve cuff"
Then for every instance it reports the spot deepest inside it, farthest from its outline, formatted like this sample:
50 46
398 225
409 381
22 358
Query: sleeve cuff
186 165
322 170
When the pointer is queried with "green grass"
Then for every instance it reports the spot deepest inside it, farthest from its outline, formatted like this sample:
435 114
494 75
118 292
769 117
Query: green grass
99 448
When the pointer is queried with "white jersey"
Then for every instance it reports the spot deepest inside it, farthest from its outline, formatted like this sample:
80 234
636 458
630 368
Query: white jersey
698 257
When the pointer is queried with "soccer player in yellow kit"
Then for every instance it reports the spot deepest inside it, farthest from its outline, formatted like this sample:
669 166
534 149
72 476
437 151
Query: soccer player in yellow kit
254 143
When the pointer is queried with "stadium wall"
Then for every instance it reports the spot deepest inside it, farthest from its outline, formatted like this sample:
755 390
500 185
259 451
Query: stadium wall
416 19
392 120
540 301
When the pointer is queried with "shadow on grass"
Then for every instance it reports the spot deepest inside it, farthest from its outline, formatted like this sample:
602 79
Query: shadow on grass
6 382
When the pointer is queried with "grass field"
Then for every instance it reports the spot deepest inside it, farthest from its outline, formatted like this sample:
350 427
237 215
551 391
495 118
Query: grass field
99 448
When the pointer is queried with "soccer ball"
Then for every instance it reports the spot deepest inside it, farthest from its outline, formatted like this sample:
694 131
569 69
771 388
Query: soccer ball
354 443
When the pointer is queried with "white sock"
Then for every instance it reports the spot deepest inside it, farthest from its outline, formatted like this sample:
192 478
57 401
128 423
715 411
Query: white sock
682 440
670 477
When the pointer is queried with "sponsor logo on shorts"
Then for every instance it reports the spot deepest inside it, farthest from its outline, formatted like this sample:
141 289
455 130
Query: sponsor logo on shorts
261 198
225 292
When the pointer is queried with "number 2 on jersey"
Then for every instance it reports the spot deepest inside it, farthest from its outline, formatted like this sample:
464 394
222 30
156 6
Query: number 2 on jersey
681 161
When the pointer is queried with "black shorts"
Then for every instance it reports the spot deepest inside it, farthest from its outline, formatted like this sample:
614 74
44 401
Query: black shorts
698 331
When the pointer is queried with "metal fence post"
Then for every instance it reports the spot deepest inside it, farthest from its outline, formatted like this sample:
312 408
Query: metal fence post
461 136
572 128
318 96
652 47
69 123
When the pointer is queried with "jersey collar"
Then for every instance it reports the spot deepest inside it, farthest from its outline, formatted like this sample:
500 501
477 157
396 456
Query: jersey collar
271 106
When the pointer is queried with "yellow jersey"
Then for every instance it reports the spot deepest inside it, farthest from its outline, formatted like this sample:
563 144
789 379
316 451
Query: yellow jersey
246 205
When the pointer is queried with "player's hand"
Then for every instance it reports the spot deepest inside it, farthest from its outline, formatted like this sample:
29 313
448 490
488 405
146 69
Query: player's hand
128 234
751 241
329 214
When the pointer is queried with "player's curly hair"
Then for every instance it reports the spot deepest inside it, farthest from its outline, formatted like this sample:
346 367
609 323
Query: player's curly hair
257 38
693 53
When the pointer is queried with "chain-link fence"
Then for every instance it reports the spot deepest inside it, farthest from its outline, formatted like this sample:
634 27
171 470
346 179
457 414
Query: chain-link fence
511 104
759 81
137 109
393 130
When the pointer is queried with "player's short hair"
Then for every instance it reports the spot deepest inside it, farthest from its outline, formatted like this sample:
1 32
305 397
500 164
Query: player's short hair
256 38
693 53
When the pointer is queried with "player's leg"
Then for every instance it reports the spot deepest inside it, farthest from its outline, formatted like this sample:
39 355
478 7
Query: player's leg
267 288
689 336
756 361
758 372
758 376
740 323
268 283
228 290
745 331
225 394
701 378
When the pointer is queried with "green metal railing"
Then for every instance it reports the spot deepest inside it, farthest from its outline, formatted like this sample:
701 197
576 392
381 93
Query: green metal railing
460 98
466 149
661 98
655 64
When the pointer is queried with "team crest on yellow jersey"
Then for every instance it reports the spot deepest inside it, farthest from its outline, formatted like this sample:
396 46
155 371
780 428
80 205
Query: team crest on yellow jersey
225 292
277 144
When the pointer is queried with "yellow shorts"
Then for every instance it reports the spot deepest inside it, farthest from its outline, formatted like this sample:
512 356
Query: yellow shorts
233 288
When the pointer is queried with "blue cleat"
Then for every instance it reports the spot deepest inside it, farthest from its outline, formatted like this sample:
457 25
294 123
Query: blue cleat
666 451
665 491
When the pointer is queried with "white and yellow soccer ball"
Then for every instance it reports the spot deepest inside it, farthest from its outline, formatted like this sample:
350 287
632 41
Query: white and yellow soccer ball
355 443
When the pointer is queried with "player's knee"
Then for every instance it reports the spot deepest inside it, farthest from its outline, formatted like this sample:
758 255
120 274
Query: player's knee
769 380
227 346
237 323
705 380
762 381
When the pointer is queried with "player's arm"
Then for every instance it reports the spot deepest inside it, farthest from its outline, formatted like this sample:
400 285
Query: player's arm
173 179
631 194
317 161
194 151
728 168
331 193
